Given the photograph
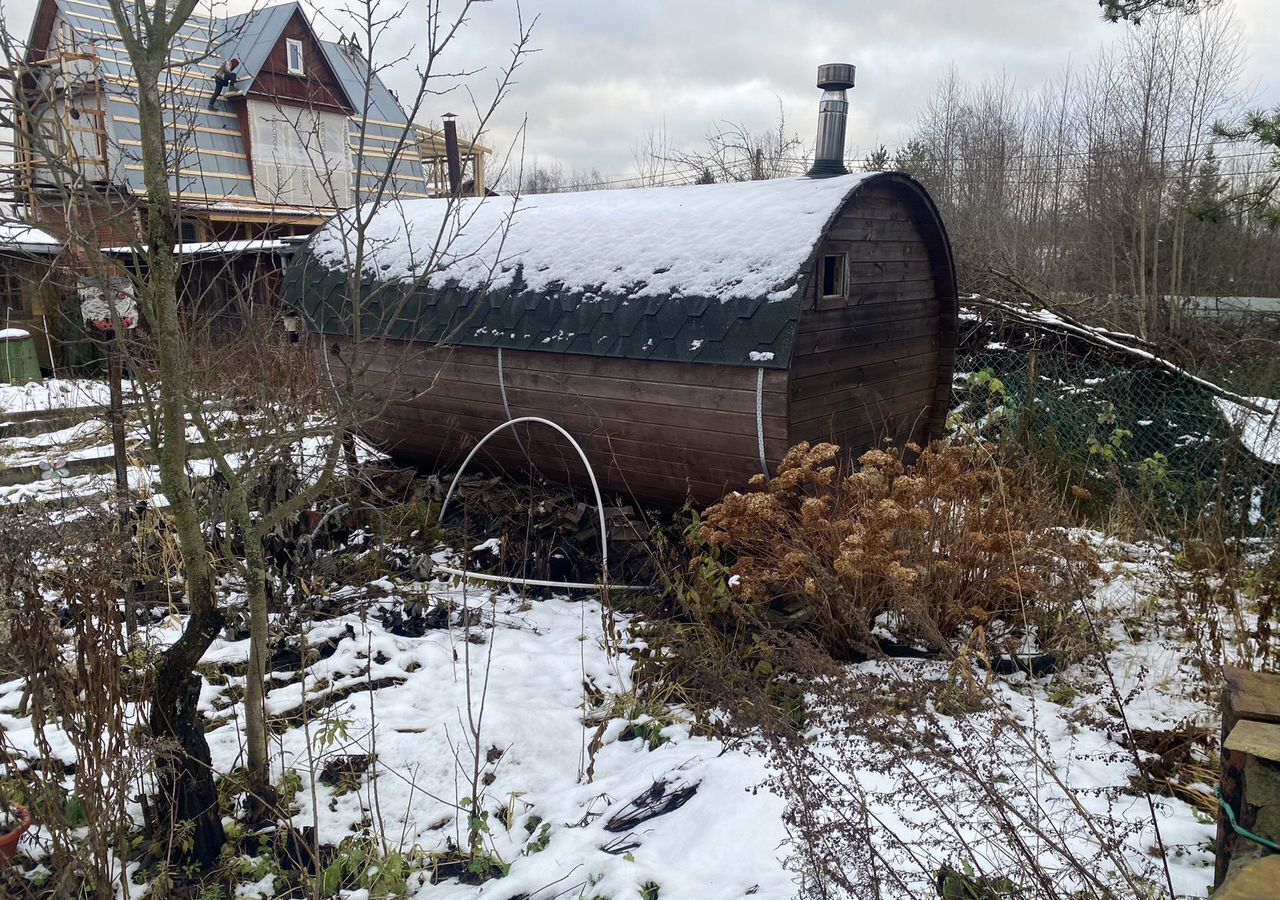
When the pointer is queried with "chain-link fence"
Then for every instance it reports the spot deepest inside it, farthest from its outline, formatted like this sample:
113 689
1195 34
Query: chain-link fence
1113 424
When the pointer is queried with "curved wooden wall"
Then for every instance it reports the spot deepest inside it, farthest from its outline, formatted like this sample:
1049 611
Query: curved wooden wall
656 430
879 364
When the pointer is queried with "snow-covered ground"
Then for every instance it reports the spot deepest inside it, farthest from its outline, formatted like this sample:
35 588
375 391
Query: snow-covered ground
88 438
563 749
539 676
537 735
54 393
542 681
1053 752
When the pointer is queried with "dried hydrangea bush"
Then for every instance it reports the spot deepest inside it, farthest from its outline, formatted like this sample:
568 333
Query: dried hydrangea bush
940 550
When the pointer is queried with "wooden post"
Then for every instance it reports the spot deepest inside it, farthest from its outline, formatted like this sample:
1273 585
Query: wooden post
452 155
1231 783
115 417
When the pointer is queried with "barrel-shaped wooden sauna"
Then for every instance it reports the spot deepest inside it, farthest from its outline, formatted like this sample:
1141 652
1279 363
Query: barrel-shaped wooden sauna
685 336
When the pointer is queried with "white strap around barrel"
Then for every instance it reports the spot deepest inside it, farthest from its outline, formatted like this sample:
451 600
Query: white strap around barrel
506 408
764 463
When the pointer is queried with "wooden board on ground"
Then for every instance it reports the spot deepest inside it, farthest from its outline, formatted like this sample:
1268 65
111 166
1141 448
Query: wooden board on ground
1261 739
1254 695
1255 881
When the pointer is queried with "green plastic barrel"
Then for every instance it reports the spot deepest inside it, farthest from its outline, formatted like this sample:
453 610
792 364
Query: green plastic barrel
18 357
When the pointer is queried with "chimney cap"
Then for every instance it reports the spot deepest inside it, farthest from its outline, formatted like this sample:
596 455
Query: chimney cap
836 76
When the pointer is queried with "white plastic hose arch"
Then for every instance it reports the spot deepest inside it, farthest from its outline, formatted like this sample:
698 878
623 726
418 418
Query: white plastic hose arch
595 487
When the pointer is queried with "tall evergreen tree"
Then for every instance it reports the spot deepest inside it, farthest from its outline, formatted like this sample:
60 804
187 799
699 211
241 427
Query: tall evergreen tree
877 160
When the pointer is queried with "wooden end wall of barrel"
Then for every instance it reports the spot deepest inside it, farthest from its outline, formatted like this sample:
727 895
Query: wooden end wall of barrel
685 336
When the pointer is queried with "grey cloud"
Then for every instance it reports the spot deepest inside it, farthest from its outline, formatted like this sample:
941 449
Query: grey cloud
609 71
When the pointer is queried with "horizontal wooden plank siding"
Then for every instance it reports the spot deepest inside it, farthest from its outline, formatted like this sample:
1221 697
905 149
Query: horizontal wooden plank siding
872 367
870 362
873 251
826 346
864 384
644 399
659 429
907 422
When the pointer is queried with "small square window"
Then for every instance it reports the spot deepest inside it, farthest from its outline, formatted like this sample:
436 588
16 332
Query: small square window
294 49
833 272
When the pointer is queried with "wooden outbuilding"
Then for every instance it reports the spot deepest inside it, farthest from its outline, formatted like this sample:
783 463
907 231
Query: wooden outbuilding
685 336
33 281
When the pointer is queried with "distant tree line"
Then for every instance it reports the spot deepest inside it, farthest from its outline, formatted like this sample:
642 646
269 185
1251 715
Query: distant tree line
1138 177
1115 180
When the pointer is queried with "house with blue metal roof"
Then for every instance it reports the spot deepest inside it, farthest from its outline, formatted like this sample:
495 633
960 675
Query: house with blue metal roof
306 128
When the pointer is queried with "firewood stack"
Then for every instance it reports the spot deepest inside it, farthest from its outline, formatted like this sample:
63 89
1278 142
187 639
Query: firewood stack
1248 864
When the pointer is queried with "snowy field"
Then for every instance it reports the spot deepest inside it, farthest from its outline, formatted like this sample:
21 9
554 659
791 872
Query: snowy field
525 665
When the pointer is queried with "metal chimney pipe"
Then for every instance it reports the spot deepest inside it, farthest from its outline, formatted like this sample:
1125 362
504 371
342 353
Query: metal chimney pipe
833 113
453 157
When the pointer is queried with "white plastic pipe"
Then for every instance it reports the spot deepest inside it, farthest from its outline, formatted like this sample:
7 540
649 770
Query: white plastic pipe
595 487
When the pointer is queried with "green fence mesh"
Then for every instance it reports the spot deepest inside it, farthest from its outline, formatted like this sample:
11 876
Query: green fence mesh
1109 423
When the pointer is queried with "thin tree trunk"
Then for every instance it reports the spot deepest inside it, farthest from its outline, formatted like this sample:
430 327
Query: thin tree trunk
187 790
255 713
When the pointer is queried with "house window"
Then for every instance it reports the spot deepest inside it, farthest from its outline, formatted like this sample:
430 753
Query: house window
833 276
294 48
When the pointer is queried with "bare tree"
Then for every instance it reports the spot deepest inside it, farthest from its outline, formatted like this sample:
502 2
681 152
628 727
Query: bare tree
1134 10
1095 184
652 156
181 366
736 152
552 179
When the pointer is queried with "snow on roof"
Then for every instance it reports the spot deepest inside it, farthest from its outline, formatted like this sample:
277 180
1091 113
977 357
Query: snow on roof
746 239
19 236
259 209
211 248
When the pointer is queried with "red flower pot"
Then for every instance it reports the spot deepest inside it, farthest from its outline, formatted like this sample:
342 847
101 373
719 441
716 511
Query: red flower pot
9 842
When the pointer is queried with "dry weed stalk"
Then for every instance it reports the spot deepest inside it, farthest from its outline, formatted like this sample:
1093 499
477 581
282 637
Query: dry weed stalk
906 777
69 641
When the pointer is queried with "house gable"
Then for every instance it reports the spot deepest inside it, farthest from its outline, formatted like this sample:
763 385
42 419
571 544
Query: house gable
41 38
318 86
212 145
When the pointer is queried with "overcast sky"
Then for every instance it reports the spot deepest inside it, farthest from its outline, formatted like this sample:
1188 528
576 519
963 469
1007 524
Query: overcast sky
608 71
